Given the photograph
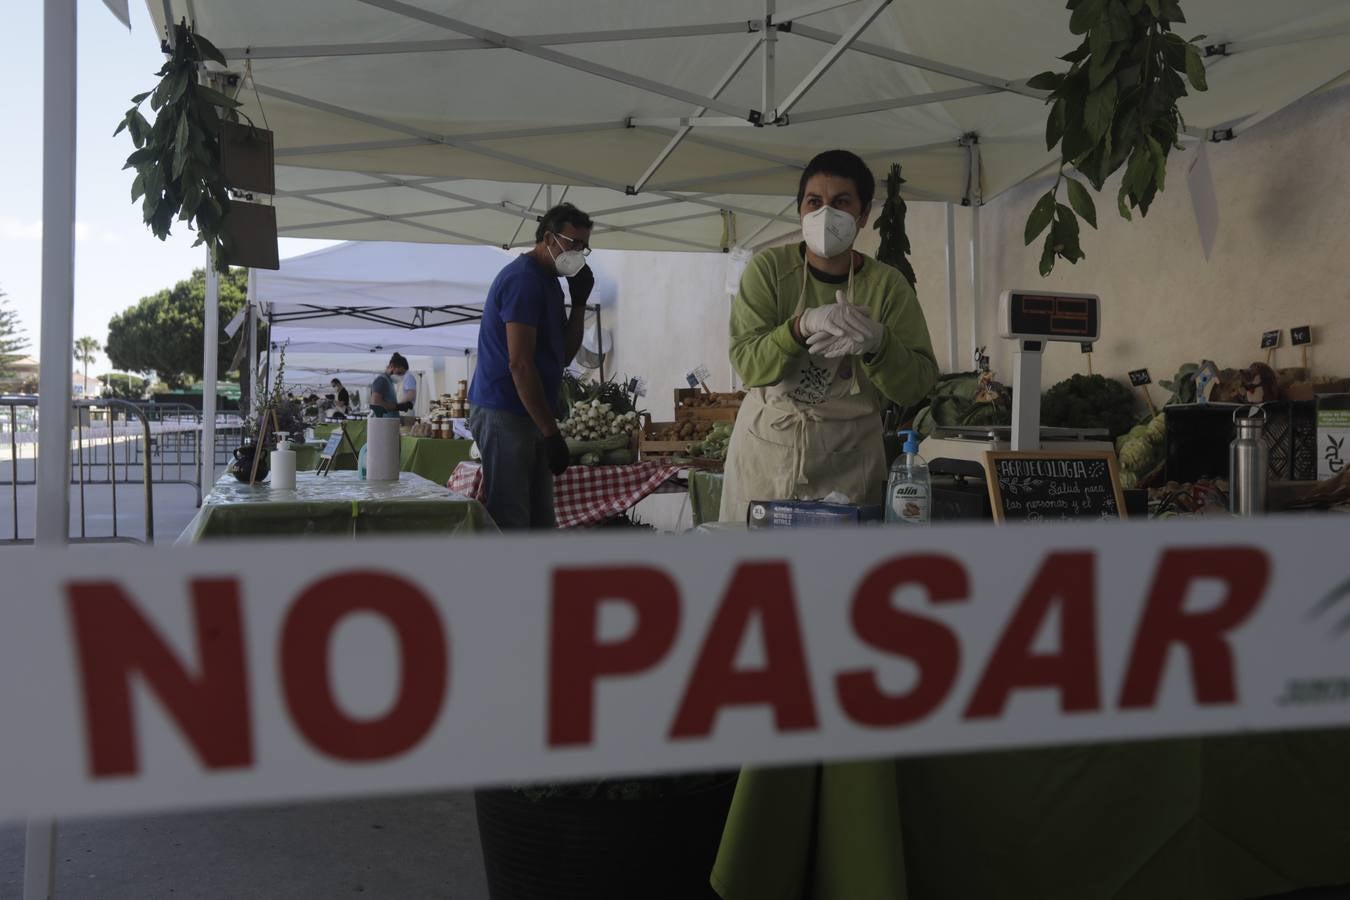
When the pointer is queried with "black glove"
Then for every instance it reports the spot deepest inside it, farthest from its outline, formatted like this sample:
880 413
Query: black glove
580 285
405 406
555 445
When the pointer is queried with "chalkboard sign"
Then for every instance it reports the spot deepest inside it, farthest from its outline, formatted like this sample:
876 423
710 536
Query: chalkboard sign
1270 339
1044 486
1301 335
1085 347
1140 377
330 449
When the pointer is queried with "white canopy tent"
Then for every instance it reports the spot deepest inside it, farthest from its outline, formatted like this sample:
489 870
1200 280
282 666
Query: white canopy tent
681 126
378 297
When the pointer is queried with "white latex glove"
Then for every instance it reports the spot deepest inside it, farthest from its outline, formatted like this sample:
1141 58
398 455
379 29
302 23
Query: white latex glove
862 335
832 321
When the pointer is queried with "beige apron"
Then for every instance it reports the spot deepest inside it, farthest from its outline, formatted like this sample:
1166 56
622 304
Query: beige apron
816 431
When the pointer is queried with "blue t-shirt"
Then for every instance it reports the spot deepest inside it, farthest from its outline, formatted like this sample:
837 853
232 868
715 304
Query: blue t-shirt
384 386
526 294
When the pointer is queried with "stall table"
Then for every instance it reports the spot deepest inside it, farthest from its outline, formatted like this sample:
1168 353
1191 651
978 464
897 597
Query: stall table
336 504
1227 818
588 495
432 458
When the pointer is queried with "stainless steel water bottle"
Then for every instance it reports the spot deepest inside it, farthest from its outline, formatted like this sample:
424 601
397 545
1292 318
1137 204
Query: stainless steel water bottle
1247 462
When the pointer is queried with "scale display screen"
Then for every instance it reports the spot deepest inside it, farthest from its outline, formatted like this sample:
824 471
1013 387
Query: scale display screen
1043 316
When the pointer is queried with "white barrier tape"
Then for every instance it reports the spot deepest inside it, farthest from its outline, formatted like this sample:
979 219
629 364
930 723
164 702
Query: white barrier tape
251 672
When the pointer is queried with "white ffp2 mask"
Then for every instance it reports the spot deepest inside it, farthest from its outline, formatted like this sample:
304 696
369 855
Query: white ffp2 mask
568 262
828 232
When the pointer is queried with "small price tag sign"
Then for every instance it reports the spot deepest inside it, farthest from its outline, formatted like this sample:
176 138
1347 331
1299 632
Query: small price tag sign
1085 347
1140 377
1301 336
1270 339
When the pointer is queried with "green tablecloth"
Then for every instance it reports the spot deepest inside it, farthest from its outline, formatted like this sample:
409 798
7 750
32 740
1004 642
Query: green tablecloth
432 458
336 504
705 496
1214 819
306 457
356 430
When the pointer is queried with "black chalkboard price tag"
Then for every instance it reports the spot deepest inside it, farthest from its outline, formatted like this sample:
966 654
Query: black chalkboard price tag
1140 377
1270 339
1085 347
1046 487
1301 335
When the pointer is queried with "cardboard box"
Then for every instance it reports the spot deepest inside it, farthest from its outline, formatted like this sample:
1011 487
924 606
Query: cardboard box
1333 435
809 514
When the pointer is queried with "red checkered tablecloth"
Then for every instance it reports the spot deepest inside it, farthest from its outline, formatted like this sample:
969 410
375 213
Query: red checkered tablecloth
585 495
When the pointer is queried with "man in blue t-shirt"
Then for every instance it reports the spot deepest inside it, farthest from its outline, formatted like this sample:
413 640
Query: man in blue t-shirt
525 342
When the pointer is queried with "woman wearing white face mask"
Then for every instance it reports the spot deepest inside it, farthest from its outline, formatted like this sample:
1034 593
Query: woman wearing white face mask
819 334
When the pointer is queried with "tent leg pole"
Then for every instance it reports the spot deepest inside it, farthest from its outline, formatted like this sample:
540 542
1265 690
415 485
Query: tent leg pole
953 350
976 284
251 322
210 357
600 340
58 334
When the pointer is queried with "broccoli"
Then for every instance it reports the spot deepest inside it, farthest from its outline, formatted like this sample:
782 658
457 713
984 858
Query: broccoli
1089 401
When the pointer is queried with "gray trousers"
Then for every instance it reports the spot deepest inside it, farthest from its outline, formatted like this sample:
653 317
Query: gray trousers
517 483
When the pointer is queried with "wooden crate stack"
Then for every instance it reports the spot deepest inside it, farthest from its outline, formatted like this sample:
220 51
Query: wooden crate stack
697 410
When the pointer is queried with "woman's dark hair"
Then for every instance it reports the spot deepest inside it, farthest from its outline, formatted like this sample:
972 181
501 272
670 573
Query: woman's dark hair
559 216
335 382
398 361
842 164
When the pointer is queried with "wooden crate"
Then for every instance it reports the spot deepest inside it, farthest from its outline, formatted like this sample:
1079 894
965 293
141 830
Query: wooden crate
725 413
649 446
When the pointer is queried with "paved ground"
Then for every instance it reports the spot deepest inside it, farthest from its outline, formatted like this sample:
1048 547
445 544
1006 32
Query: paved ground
405 848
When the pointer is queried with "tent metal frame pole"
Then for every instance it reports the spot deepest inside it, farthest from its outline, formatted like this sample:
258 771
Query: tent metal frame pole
808 9
210 362
975 199
530 48
768 59
683 131
953 350
869 15
599 340
918 62
251 323
858 109
373 48
503 135
59 98
749 241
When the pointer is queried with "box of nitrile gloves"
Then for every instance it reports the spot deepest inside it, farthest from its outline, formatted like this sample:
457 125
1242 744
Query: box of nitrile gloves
809 514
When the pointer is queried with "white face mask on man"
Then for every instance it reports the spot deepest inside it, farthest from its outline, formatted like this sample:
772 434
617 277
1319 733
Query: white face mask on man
567 262
829 232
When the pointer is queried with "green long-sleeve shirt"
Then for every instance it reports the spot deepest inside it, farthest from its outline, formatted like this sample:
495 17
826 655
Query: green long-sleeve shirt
903 369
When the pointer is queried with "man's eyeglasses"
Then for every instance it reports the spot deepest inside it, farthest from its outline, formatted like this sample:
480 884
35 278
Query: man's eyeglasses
583 249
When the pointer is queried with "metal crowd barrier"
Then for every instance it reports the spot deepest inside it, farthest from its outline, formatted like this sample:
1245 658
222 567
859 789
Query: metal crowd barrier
113 443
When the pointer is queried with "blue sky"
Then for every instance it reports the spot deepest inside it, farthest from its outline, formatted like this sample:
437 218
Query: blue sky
117 260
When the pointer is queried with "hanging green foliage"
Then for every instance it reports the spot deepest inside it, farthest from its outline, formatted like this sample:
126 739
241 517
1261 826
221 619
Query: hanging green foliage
177 159
1116 106
894 249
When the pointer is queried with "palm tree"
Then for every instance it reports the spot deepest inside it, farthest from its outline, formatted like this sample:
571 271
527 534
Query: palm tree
85 348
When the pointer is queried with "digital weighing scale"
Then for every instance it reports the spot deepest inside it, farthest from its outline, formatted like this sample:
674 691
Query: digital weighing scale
1031 318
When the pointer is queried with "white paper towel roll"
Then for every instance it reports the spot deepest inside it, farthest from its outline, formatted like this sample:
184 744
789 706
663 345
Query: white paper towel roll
283 470
382 449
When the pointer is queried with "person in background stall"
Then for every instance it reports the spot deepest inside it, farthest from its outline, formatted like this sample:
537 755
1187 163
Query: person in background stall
342 401
820 334
383 394
525 341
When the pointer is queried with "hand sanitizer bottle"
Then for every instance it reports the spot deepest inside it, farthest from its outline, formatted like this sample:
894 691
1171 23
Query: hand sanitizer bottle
907 491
